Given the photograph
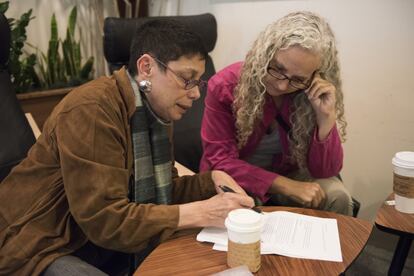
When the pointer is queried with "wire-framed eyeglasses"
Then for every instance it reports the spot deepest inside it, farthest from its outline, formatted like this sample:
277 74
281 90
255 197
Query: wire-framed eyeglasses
274 72
188 84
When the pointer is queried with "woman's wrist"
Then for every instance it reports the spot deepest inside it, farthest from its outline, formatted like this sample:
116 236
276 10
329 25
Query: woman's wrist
279 185
325 126
190 215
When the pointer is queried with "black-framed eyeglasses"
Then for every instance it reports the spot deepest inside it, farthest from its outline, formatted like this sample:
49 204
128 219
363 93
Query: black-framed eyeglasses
294 83
188 84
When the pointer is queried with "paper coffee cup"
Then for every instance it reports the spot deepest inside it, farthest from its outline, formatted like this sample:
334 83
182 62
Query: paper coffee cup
244 227
404 181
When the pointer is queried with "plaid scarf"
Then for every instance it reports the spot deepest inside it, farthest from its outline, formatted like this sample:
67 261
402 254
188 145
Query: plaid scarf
152 161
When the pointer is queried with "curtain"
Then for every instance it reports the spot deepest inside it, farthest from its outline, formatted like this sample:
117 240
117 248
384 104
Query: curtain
163 7
132 8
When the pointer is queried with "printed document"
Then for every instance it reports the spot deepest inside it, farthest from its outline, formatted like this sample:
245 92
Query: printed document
289 234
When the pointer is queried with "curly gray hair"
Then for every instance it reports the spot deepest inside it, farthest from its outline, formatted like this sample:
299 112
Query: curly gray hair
303 29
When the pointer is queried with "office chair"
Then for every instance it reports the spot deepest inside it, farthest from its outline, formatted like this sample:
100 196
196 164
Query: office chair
356 205
118 34
16 135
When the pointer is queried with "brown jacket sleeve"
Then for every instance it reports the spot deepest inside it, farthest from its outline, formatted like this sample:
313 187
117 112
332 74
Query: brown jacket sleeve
92 149
192 187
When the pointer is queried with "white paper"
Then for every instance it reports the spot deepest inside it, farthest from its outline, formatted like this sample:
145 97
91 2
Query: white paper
289 234
214 235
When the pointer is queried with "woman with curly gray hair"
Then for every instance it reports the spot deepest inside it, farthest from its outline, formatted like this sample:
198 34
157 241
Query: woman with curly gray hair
275 122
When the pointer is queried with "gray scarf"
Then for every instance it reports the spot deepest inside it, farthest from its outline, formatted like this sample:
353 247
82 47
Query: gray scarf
152 162
152 154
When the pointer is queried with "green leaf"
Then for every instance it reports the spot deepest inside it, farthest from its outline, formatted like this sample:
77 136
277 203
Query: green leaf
72 21
4 6
86 69
42 77
62 76
71 54
67 57
77 57
53 28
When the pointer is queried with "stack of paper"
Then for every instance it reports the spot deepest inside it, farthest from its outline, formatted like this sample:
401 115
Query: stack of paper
289 234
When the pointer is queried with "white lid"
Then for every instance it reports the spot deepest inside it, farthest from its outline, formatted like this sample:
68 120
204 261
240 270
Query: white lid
244 220
404 159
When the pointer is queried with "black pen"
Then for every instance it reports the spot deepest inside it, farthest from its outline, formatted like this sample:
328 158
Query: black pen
227 189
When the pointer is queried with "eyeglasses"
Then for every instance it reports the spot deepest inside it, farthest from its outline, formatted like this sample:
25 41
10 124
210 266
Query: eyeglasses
188 84
294 83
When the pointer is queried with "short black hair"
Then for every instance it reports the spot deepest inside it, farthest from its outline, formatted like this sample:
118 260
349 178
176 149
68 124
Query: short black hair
165 39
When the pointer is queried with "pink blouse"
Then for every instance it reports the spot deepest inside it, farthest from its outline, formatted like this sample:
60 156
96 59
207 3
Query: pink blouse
218 134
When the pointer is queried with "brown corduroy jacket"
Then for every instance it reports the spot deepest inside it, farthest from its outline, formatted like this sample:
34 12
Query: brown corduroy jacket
73 186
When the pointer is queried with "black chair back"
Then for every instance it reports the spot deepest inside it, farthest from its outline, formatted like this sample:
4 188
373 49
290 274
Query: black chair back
118 34
16 135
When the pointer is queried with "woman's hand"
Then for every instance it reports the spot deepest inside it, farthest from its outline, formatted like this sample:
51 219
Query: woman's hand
308 194
222 178
322 96
213 211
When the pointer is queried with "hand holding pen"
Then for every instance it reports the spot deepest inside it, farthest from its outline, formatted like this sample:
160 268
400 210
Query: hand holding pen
227 189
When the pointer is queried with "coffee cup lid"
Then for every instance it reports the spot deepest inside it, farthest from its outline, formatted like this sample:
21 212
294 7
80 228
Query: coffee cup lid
244 220
404 159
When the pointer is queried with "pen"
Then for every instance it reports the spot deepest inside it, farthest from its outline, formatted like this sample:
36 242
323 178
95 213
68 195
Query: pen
227 189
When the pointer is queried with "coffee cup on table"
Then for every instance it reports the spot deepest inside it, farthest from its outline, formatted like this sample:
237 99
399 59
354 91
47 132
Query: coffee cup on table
404 181
244 227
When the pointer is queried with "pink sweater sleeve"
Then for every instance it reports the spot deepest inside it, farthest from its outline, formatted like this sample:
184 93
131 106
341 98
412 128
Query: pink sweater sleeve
218 134
325 157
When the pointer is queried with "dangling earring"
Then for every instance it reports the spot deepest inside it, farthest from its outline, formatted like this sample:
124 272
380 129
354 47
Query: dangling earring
145 86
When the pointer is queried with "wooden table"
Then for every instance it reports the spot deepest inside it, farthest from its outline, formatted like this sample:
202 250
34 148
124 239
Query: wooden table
186 256
392 221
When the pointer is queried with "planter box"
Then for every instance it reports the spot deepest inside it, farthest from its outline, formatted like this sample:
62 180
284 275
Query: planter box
41 103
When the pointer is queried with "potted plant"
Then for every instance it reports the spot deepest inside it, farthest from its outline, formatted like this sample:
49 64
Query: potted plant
20 67
58 71
57 75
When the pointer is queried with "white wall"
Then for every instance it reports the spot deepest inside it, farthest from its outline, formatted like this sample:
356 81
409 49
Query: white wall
376 47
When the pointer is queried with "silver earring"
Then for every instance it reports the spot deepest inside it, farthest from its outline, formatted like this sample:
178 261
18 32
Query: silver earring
145 86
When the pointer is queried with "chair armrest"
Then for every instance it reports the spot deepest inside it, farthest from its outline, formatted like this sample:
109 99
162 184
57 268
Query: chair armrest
182 170
33 125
